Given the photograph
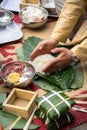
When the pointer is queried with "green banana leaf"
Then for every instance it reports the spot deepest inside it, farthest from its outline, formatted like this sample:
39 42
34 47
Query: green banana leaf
2 97
55 124
61 78
7 118
69 78
28 46
45 84
78 77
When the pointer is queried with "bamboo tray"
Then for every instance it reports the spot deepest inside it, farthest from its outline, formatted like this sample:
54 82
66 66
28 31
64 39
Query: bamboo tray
20 102
25 3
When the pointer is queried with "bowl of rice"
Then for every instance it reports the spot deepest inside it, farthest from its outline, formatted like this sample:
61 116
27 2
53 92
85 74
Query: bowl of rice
17 74
33 16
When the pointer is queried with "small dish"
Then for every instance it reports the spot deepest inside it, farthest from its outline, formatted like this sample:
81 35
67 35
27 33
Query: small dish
17 74
6 17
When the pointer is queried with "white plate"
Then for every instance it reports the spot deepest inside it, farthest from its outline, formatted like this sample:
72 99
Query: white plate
12 5
10 33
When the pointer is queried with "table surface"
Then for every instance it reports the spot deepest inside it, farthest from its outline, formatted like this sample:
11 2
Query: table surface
44 33
81 127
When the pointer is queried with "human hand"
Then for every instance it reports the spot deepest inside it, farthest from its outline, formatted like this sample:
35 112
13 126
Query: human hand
62 60
43 47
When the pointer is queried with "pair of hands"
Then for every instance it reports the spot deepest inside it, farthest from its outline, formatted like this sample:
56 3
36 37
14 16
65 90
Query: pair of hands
62 60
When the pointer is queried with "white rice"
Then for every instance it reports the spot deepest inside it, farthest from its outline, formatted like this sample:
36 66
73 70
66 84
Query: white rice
40 61
31 13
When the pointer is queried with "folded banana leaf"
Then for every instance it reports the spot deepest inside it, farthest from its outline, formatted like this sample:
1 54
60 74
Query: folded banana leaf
58 123
54 104
67 79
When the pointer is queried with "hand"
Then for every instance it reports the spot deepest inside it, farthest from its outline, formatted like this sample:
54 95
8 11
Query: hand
43 47
62 60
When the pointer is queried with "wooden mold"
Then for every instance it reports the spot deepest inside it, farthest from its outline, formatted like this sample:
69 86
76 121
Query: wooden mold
20 102
25 3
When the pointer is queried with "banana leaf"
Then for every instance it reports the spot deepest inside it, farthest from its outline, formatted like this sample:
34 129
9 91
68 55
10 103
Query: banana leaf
45 84
7 118
54 104
69 78
61 78
78 77
58 123
2 97
28 46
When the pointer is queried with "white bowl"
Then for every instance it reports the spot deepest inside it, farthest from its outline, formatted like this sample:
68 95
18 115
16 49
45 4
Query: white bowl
6 17
35 17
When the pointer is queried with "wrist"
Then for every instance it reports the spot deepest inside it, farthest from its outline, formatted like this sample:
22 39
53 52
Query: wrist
74 58
55 41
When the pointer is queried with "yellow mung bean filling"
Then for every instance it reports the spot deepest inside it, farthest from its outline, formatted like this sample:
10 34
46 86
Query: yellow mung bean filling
13 77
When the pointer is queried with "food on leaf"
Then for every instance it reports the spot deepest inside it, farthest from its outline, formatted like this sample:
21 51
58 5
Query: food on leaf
40 61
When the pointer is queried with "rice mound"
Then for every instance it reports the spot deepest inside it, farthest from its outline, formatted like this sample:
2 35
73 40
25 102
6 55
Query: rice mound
40 61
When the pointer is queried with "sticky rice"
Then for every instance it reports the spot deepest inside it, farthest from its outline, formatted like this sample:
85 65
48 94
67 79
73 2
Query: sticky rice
32 14
40 61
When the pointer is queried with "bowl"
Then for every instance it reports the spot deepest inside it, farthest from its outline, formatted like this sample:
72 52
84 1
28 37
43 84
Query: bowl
33 16
6 17
17 74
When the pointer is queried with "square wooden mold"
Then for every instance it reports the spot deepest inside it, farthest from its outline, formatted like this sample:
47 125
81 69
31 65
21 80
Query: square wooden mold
25 3
20 102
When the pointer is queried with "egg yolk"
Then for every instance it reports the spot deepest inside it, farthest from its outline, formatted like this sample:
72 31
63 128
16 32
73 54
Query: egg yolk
13 77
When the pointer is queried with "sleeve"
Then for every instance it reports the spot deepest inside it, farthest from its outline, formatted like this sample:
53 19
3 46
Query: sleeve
80 50
68 18
80 38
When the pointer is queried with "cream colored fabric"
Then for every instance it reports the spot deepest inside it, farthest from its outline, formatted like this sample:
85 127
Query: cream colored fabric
70 14
81 34
80 50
